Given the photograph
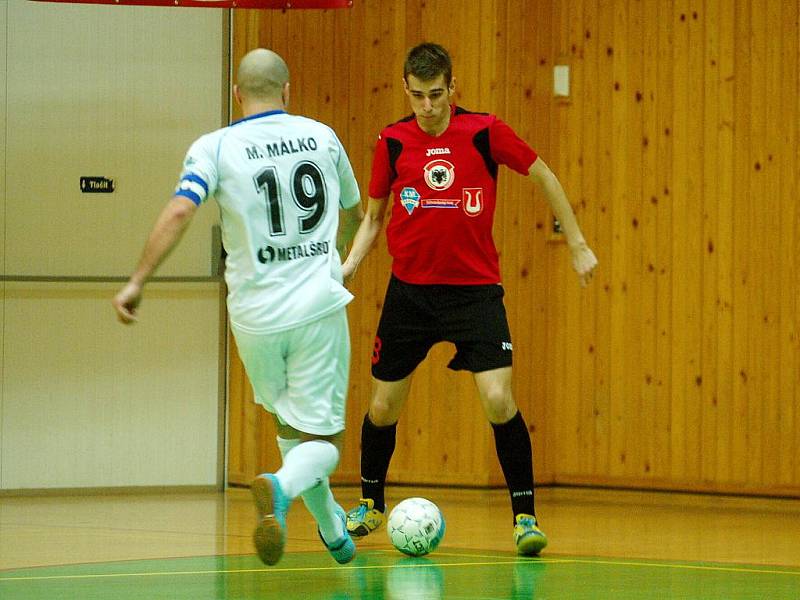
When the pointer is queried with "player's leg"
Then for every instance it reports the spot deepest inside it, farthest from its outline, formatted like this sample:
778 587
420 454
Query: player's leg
300 376
403 339
512 441
307 461
301 462
378 435
513 446
477 324
262 357
318 368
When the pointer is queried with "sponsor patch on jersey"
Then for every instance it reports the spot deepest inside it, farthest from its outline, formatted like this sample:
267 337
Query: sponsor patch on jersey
435 151
473 201
440 203
269 254
439 174
409 198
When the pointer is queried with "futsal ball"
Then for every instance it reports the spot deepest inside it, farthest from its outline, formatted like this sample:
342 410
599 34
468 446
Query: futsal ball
415 526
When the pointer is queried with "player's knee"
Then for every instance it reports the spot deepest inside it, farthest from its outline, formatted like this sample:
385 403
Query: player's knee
387 402
382 413
499 405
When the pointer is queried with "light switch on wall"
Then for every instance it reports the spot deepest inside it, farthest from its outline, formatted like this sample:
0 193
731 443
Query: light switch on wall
561 81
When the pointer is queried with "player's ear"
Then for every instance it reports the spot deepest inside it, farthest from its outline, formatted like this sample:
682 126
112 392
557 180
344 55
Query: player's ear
285 94
237 94
451 89
405 85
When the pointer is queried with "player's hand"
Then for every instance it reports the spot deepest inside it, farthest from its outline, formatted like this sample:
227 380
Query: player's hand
348 270
584 262
127 301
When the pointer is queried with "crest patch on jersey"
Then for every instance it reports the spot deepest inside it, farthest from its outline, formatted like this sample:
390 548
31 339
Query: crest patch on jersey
439 174
473 201
409 198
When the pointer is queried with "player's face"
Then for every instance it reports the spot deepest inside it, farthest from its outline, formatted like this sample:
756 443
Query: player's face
430 101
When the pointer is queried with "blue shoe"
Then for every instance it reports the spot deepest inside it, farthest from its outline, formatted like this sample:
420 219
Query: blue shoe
529 539
342 550
272 505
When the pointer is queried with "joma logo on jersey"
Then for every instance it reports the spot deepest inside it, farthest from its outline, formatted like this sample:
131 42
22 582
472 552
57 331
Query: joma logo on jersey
439 174
434 151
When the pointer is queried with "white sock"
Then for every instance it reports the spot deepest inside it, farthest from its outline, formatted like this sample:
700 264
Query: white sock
320 503
318 499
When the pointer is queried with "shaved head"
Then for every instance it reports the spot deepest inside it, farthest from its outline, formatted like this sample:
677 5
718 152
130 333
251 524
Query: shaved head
262 75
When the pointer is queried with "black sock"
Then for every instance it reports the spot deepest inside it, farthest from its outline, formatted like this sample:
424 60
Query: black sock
377 447
513 444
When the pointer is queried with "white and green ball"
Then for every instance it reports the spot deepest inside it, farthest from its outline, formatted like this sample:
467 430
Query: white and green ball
416 526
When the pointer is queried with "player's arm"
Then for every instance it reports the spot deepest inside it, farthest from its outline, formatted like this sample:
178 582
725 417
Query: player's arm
349 220
165 235
367 233
350 213
583 259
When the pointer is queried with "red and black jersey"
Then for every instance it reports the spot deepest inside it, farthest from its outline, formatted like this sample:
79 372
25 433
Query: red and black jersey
444 189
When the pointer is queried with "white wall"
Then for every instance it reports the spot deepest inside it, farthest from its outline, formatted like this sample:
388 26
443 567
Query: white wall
88 402
113 91
3 28
118 92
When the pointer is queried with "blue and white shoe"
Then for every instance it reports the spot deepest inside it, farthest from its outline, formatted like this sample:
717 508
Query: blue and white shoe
272 505
342 550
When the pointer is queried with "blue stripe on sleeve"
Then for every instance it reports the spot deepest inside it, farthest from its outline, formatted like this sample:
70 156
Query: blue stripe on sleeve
190 195
195 179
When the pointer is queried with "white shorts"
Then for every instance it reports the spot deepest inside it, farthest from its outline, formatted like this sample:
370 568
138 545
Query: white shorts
301 374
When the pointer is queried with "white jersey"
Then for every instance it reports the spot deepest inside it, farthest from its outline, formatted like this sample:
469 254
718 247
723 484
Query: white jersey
279 180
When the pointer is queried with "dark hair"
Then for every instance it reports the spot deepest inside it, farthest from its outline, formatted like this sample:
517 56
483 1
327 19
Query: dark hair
427 61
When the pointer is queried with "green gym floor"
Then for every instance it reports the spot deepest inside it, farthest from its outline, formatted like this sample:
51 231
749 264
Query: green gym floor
385 574
70 548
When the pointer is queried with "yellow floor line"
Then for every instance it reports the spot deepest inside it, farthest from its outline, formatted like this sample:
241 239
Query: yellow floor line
492 562
687 567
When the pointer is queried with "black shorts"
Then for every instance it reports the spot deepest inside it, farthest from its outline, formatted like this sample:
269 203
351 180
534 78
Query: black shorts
415 317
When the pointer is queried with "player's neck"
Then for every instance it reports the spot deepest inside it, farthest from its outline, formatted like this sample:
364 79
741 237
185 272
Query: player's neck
256 108
435 129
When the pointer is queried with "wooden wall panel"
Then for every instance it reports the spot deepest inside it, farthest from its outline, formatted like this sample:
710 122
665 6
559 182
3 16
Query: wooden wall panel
712 344
584 45
661 201
710 257
724 245
741 232
678 147
789 158
648 346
